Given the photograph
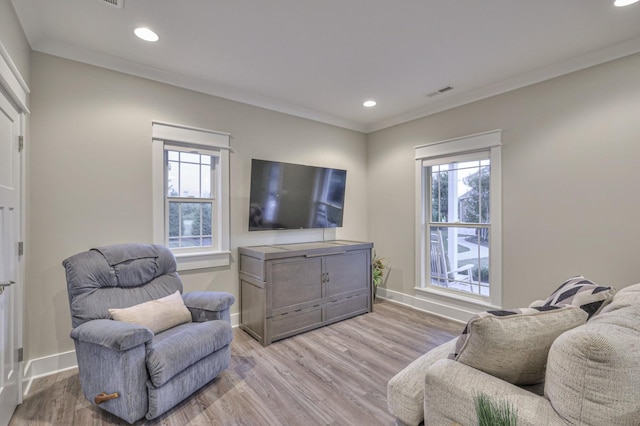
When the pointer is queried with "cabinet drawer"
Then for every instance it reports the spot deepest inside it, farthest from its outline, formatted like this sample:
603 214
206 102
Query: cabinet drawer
290 324
347 308
252 267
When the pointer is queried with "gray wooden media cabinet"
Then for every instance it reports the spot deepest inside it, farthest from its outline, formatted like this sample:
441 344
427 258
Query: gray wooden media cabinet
292 288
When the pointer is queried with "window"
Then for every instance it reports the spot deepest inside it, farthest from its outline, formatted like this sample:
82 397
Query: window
458 214
191 194
190 200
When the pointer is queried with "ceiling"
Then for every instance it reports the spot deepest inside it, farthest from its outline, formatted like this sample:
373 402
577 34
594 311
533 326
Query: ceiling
320 59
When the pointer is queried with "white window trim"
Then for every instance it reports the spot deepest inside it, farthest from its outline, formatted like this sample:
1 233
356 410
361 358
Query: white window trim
162 133
424 154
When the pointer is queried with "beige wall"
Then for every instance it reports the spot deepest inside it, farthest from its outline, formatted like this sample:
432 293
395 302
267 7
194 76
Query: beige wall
91 176
571 151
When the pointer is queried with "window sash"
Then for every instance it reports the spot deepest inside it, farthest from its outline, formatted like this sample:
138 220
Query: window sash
213 182
483 216
467 286
214 166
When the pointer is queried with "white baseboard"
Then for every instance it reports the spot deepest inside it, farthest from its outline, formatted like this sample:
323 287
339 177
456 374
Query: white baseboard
45 366
441 309
57 363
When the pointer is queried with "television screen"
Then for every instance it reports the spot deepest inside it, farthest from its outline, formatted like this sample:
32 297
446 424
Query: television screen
293 196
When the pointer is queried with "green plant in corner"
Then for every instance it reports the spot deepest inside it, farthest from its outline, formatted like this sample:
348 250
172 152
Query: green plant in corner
378 270
492 413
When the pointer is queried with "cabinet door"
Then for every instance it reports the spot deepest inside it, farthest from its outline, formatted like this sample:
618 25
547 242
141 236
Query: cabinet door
347 273
293 284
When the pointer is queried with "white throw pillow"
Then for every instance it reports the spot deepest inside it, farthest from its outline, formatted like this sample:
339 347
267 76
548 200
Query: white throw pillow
157 315
513 345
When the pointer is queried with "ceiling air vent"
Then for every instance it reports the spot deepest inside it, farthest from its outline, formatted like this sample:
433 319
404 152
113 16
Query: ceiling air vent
439 91
115 3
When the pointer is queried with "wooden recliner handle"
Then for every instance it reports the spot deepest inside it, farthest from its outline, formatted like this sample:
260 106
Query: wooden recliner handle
102 397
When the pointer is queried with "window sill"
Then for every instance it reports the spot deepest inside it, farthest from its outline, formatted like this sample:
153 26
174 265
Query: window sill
202 260
459 299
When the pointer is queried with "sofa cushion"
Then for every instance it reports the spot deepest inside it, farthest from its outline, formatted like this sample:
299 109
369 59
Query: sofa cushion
513 345
628 296
173 350
593 372
579 291
157 315
405 391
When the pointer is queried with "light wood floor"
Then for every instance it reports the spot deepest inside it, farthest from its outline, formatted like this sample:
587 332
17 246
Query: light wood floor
336 375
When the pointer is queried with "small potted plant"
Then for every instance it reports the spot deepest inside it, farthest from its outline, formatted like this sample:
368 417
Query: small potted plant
378 272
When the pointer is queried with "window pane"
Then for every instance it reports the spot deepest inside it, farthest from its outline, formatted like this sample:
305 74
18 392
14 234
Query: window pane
190 224
459 259
474 203
190 242
205 179
174 220
173 155
206 219
188 157
205 159
485 193
189 180
188 214
173 179
439 196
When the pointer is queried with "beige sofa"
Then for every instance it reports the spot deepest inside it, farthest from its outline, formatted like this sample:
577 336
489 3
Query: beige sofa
592 377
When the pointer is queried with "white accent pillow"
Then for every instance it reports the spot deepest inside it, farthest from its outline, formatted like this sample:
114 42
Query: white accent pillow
157 315
513 345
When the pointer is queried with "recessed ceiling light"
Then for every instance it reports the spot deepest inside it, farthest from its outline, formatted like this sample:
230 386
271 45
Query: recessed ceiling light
369 103
146 34
621 3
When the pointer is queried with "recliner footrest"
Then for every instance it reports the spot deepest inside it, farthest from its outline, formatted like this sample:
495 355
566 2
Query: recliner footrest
176 349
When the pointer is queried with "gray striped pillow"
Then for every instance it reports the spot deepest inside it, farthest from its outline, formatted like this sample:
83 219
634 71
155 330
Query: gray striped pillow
581 292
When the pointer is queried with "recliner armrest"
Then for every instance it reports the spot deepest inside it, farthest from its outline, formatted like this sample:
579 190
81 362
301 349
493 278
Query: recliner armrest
208 305
116 335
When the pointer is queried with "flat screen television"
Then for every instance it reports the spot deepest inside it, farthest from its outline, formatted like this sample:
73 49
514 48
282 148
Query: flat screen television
294 196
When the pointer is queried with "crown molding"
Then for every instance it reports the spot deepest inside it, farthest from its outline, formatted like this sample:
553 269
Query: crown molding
90 57
558 69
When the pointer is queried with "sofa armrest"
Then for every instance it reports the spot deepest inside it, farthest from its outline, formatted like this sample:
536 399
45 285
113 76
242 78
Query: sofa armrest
116 335
450 388
209 305
405 390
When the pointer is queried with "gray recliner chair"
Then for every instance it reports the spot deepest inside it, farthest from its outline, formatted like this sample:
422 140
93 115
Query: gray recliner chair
125 368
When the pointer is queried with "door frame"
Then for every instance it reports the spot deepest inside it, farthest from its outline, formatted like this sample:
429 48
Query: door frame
16 89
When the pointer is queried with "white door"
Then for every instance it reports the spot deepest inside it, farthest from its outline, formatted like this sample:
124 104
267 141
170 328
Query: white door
10 200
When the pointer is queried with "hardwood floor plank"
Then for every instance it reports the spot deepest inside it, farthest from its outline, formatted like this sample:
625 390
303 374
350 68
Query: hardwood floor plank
335 375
